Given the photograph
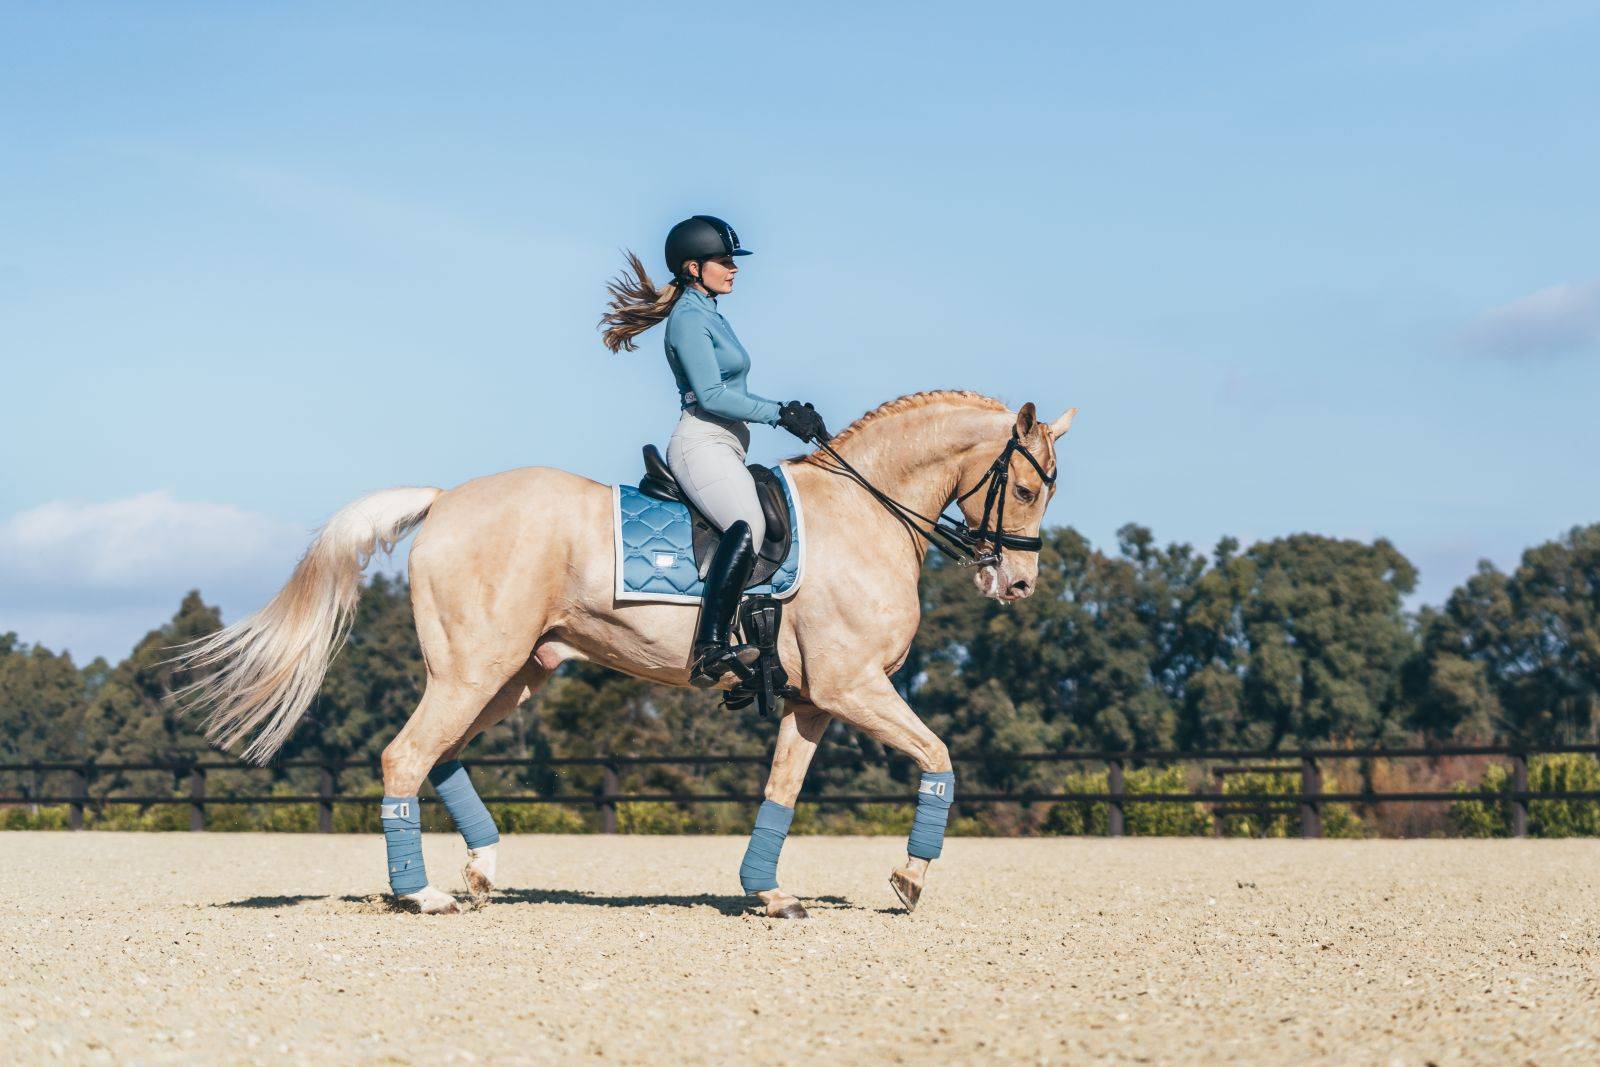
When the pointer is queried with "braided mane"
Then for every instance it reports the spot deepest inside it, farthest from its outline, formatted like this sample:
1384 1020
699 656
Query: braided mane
910 402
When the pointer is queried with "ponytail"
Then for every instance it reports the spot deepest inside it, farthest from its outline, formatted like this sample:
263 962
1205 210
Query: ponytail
636 305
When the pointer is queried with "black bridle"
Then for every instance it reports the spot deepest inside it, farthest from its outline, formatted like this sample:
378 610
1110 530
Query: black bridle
953 536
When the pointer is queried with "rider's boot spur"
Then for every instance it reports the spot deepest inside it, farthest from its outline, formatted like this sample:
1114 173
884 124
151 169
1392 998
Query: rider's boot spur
730 569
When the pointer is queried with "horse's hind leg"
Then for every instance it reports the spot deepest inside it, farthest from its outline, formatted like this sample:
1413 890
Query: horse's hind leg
482 861
799 733
442 723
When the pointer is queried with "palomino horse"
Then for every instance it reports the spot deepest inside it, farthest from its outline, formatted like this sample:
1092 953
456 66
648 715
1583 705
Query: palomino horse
512 575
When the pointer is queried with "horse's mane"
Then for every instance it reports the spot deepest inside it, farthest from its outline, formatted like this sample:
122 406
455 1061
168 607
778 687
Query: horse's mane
910 402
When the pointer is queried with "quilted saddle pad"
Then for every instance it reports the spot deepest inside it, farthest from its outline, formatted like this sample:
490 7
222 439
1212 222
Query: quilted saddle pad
655 549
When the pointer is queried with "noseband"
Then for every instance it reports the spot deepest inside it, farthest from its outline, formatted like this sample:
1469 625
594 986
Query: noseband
952 535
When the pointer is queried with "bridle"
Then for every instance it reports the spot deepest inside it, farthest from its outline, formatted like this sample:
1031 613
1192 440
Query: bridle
953 536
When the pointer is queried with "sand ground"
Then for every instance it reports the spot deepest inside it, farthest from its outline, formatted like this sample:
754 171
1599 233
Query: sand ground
223 948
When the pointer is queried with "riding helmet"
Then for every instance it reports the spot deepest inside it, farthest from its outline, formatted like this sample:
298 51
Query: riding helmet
701 237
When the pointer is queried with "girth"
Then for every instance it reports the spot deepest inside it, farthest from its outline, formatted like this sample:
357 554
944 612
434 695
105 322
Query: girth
659 483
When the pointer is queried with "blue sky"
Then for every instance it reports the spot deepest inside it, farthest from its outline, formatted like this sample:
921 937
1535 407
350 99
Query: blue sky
1330 269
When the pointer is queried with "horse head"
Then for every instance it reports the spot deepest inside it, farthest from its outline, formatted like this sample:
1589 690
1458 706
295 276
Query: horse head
1002 494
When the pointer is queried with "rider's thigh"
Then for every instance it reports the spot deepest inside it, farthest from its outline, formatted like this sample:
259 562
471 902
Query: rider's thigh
715 480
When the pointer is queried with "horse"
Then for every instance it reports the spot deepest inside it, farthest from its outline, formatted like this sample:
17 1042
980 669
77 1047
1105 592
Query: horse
512 575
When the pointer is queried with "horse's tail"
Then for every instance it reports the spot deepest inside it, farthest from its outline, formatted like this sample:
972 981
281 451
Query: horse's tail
264 670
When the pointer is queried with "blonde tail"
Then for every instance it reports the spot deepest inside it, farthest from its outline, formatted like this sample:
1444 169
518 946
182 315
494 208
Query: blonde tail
267 668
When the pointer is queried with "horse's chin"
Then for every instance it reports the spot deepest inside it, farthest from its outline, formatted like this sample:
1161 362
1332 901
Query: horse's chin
987 579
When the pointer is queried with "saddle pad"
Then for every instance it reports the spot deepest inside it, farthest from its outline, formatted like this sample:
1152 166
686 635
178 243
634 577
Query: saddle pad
655 548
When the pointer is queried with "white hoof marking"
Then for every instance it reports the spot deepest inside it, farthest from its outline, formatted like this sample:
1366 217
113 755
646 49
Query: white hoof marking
431 901
480 870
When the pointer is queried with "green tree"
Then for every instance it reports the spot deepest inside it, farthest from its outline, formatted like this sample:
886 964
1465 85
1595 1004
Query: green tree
42 696
133 717
1298 640
1518 654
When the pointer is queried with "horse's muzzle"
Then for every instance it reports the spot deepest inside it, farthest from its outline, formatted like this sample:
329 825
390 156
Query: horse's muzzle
998 582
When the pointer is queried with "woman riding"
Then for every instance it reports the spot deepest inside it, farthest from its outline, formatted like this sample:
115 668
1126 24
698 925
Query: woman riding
707 450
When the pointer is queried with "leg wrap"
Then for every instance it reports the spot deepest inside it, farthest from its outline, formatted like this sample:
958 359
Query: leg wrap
759 871
402 833
450 781
934 796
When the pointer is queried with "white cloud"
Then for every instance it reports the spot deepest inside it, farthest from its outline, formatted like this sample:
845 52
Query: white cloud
1552 322
96 576
135 544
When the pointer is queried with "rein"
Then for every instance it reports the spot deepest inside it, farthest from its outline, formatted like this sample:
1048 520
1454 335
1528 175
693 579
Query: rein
953 536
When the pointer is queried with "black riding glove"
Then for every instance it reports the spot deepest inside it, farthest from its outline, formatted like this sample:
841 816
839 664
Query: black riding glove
803 421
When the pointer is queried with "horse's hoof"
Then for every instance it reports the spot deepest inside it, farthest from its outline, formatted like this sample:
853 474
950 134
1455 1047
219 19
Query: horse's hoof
478 884
907 890
793 910
428 901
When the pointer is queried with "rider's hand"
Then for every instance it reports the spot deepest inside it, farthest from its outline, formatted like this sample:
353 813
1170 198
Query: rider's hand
803 421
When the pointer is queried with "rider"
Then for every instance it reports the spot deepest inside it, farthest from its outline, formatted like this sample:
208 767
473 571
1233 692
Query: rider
707 450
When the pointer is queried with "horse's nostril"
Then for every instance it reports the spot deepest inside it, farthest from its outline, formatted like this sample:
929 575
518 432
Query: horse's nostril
1021 587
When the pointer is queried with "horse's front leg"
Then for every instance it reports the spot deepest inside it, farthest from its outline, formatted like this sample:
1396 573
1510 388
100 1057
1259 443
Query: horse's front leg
874 706
798 735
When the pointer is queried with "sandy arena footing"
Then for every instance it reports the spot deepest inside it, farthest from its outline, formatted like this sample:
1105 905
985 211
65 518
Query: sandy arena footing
263 948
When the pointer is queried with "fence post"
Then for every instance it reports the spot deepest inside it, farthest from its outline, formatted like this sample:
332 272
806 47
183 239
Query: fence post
608 807
1114 824
1310 807
1519 800
325 801
80 792
1217 787
197 800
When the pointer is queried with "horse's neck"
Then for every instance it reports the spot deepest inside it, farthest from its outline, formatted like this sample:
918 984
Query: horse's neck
918 457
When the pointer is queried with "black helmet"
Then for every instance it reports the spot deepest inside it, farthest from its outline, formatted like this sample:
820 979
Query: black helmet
701 237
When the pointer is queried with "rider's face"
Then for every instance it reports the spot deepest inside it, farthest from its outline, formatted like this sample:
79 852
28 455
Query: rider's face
717 274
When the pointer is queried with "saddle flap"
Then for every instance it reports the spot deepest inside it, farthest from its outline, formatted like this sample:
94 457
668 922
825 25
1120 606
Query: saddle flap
774 505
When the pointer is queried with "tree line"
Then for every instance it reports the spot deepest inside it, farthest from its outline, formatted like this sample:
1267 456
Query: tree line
1299 640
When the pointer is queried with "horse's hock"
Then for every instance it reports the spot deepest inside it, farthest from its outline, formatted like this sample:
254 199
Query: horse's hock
240 947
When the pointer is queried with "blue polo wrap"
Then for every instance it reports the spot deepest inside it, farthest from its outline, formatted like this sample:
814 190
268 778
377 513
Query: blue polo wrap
759 871
466 810
402 836
935 794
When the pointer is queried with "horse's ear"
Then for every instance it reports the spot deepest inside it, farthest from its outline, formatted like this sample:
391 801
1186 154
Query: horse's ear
1063 424
1027 419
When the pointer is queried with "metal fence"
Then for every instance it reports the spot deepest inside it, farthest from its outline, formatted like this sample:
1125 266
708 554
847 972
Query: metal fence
190 783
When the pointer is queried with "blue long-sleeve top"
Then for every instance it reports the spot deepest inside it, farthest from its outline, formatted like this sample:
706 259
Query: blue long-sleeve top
710 364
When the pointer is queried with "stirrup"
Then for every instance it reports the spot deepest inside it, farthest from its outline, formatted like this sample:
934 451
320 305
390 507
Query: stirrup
740 659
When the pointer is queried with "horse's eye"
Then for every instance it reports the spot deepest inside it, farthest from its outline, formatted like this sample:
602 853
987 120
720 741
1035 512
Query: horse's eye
1025 494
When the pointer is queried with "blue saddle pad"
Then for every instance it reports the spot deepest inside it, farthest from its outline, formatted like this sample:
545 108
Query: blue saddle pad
655 548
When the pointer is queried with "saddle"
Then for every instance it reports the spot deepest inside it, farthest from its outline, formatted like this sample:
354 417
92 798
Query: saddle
659 483
760 617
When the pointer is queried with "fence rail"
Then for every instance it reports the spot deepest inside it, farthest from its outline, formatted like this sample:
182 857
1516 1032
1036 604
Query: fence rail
1307 762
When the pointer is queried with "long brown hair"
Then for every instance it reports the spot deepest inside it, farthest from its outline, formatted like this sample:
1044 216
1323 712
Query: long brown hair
636 305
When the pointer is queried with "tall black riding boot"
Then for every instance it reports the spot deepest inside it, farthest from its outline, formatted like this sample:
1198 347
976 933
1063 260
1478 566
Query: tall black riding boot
725 581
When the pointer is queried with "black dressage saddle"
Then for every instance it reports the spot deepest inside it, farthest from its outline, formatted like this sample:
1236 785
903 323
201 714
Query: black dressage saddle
658 482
